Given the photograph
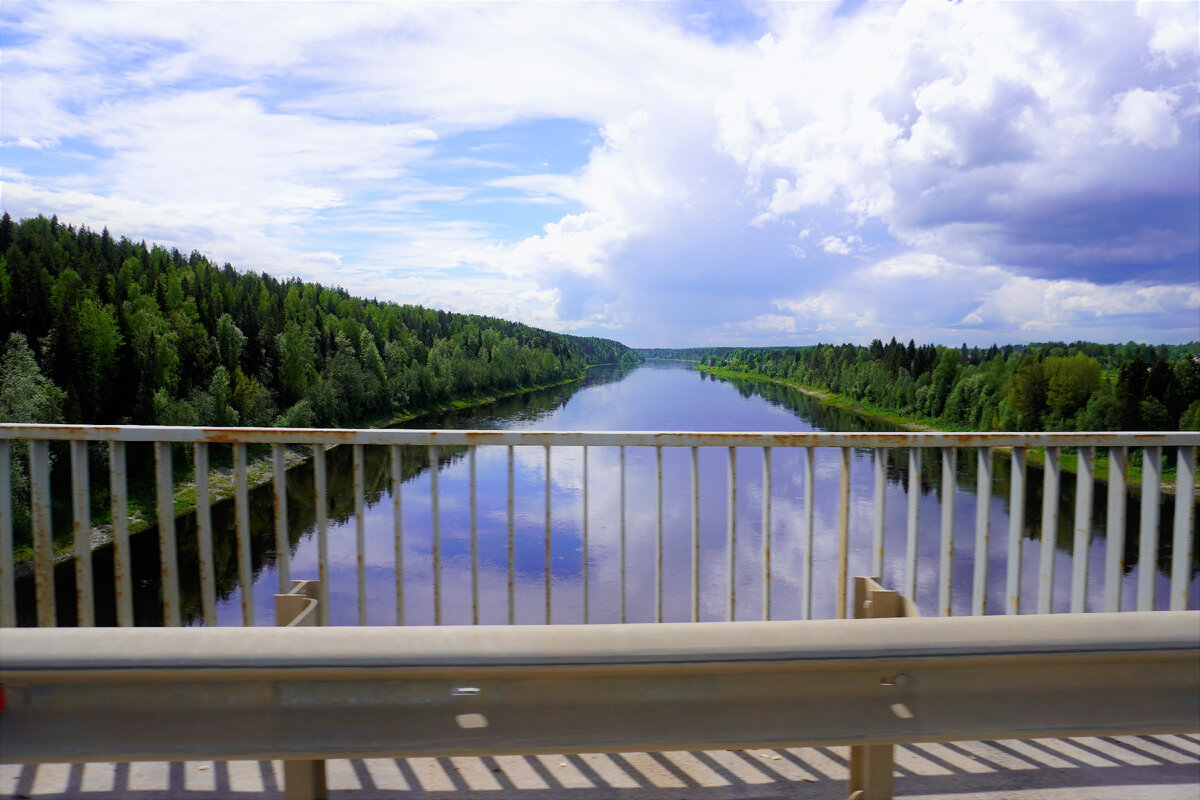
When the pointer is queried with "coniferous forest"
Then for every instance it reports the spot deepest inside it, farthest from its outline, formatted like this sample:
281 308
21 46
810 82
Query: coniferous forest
95 329
1052 386
100 330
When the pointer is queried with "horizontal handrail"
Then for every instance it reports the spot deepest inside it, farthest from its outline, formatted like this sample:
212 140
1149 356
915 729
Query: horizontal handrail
134 694
794 476
399 436
163 651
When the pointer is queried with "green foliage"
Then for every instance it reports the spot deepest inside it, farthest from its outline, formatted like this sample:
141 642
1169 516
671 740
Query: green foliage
1052 386
230 343
126 334
1190 421
26 395
1070 382
1027 392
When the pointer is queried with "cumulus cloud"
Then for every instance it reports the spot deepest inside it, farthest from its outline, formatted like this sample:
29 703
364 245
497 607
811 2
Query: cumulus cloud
1146 118
842 246
912 293
934 171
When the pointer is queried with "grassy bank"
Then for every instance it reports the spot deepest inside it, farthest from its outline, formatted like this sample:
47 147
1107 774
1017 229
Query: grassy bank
1069 460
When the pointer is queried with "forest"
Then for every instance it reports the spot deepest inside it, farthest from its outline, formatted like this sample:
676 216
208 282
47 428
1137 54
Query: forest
95 329
1052 386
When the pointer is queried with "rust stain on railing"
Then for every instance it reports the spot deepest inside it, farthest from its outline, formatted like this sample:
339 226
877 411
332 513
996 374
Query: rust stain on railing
876 444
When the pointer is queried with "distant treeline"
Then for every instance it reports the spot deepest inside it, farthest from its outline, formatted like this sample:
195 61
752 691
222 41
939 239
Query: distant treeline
1052 386
101 330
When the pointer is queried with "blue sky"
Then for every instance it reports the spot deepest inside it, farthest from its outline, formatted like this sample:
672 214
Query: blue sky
661 173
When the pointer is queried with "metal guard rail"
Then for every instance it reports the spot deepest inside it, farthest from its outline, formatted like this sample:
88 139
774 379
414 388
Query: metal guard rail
1118 445
170 694
389 436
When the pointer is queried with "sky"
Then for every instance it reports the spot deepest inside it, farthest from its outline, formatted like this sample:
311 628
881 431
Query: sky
665 174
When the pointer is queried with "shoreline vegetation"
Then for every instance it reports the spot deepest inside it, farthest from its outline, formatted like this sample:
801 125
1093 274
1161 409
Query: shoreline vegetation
259 471
1036 455
98 330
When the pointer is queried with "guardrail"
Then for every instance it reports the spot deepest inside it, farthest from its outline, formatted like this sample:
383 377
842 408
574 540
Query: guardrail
1119 447
301 693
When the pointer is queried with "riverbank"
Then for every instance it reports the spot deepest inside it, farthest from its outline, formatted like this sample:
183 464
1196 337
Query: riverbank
259 471
1036 456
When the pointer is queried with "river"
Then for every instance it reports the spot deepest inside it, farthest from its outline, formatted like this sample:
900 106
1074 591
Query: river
654 396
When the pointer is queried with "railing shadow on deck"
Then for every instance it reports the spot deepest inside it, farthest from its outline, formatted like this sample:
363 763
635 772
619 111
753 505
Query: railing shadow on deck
1100 766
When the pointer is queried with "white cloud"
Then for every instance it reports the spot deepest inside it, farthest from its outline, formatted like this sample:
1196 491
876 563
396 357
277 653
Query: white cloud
553 187
1175 27
1146 118
842 246
1040 305
978 154
915 292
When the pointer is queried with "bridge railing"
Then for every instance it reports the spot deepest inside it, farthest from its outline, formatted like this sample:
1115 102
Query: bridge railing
988 447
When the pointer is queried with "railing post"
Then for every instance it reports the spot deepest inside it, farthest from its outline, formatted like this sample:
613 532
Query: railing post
1016 531
1114 539
983 530
914 521
871 764
1181 552
43 542
946 551
8 594
1148 531
843 533
302 780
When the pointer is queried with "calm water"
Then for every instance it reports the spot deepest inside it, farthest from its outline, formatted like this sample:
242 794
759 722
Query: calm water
655 396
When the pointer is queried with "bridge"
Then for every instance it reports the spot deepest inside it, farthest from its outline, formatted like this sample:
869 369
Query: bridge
890 687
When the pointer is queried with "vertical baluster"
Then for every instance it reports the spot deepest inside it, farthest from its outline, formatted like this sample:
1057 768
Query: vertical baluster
360 530
946 559
168 558
914 519
1016 531
622 515
695 534
731 528
43 542
81 515
806 534
122 573
1182 544
242 511
397 465
512 574
474 538
321 504
983 530
204 539
1083 530
435 522
658 534
279 504
766 533
549 562
1148 533
1049 532
843 533
8 598
586 558
1114 536
880 500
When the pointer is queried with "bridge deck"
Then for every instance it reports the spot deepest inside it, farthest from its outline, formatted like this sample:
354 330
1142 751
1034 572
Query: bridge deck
1098 768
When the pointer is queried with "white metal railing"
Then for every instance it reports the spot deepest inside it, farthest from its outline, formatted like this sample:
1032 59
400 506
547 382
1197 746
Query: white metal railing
1118 445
